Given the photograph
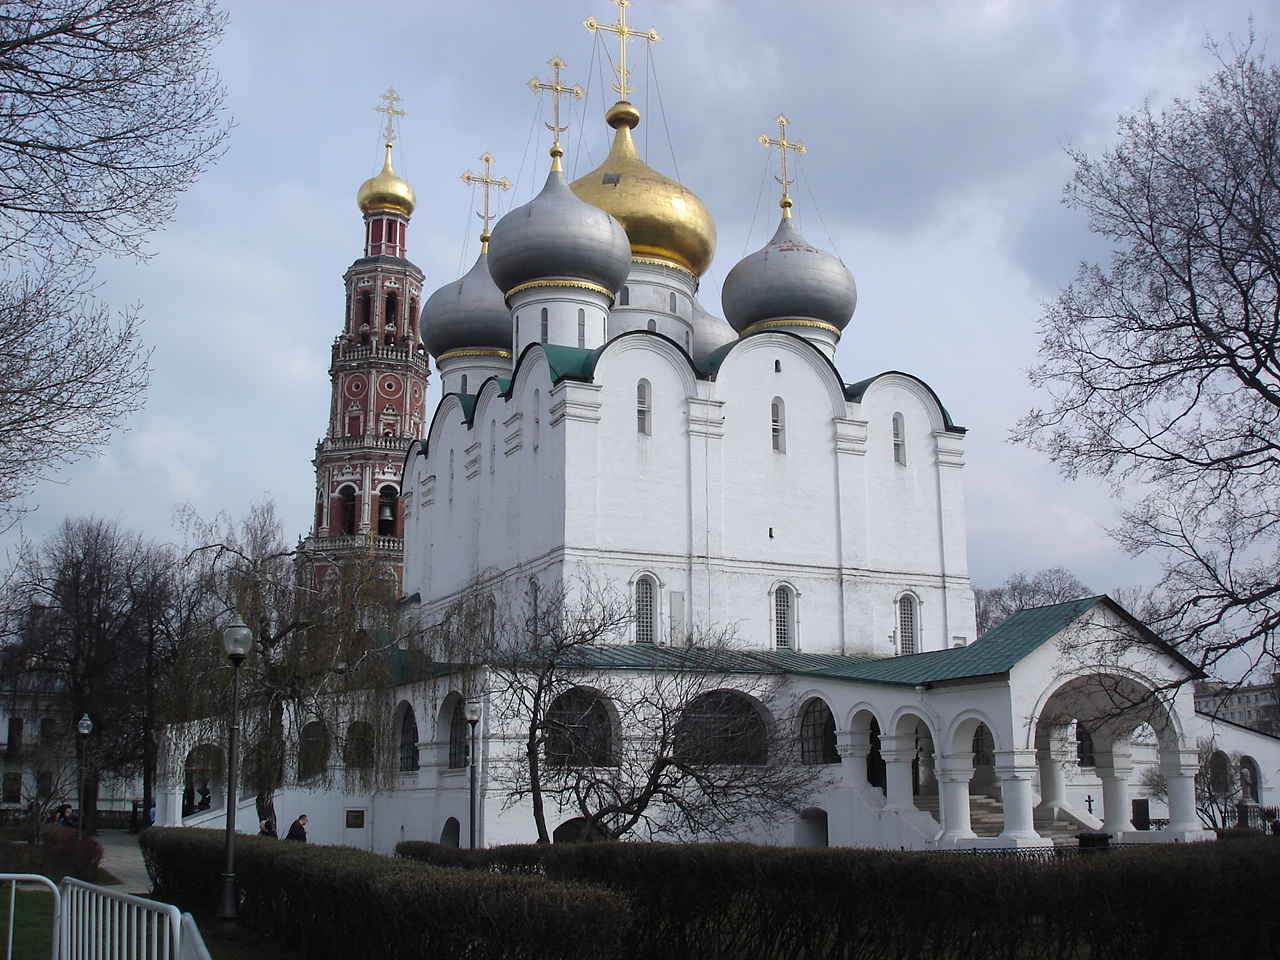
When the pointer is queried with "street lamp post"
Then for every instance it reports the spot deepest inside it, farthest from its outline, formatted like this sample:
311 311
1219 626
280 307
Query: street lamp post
472 711
84 728
237 640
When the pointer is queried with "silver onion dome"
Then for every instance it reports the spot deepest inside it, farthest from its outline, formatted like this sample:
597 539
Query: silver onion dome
789 279
556 236
470 313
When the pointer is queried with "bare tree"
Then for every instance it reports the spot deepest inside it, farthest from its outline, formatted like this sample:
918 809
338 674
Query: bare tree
1162 367
691 741
108 110
93 619
319 680
1020 592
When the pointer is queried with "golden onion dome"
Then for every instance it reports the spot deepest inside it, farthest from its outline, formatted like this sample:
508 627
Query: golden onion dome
386 191
664 220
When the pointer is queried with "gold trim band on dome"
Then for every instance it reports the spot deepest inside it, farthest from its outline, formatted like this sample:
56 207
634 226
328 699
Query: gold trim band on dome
571 284
475 352
796 322
659 262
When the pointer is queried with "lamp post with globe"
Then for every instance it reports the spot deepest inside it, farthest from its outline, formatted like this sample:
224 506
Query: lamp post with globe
237 641
84 728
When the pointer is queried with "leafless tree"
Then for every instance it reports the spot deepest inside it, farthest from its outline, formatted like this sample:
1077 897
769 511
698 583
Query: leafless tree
108 110
1218 785
1020 592
318 681
692 741
1162 367
93 618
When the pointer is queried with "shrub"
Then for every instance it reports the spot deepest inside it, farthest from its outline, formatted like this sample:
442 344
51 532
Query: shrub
60 854
339 902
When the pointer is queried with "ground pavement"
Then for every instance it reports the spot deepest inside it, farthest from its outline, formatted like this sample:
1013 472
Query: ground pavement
122 856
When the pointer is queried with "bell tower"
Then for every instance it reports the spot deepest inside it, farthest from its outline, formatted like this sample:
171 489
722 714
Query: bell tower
378 371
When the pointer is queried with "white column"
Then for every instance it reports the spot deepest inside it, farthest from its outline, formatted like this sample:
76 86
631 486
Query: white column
1053 787
1016 770
1179 769
898 753
1114 767
853 749
953 789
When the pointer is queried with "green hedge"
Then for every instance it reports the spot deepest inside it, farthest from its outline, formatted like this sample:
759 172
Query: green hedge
337 902
58 854
729 901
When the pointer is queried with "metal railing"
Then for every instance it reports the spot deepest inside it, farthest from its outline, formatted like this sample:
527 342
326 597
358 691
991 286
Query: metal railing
93 923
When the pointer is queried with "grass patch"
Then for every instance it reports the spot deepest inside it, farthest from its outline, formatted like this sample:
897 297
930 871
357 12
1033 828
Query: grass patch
32 922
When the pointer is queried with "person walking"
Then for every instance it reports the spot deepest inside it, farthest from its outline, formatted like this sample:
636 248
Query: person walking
298 830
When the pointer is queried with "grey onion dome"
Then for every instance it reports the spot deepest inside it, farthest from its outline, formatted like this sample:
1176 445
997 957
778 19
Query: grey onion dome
470 313
789 279
556 236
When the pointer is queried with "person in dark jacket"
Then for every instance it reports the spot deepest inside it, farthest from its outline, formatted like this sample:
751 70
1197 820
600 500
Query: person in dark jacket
298 830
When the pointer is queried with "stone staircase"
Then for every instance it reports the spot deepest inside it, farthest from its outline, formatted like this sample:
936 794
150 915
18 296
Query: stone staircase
986 817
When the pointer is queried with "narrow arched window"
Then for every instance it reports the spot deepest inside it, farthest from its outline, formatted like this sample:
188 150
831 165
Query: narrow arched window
408 741
907 625
644 408
644 610
546 323
582 328
777 418
464 384
624 297
818 733
899 440
652 326
784 617
672 302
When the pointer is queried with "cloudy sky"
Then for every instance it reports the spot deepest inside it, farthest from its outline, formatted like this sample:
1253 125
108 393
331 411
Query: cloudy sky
935 131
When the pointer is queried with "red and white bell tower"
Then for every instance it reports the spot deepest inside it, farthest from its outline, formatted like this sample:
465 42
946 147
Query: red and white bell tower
379 377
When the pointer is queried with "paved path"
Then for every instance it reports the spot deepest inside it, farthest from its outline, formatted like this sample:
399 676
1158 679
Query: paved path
123 857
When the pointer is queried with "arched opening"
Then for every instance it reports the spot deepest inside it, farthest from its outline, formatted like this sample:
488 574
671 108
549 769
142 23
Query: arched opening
408 753
358 747
203 774
1250 779
812 829
818 733
723 727
313 751
449 836
579 733
908 625
876 771
459 739
347 512
388 503
784 617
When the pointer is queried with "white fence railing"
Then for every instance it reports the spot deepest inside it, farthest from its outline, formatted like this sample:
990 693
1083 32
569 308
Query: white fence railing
93 923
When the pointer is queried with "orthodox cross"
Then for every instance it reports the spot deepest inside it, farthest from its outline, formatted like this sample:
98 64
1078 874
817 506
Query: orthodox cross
556 88
624 33
783 145
487 182
390 99
1088 802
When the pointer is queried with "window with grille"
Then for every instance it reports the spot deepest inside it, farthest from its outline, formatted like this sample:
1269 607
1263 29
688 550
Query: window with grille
722 727
907 625
784 617
818 734
644 610
982 746
408 741
578 732
777 416
459 737
899 440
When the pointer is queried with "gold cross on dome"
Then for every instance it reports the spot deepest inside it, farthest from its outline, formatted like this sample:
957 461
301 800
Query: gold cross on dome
390 99
624 33
487 182
783 145
556 88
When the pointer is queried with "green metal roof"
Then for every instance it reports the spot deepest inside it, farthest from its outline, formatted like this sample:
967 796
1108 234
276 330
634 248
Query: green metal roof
854 392
570 363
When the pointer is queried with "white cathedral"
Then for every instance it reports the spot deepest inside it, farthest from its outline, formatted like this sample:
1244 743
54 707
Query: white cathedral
600 425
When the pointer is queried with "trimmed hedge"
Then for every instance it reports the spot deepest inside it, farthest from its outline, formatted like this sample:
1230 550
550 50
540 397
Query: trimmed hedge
59 854
337 902
728 901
